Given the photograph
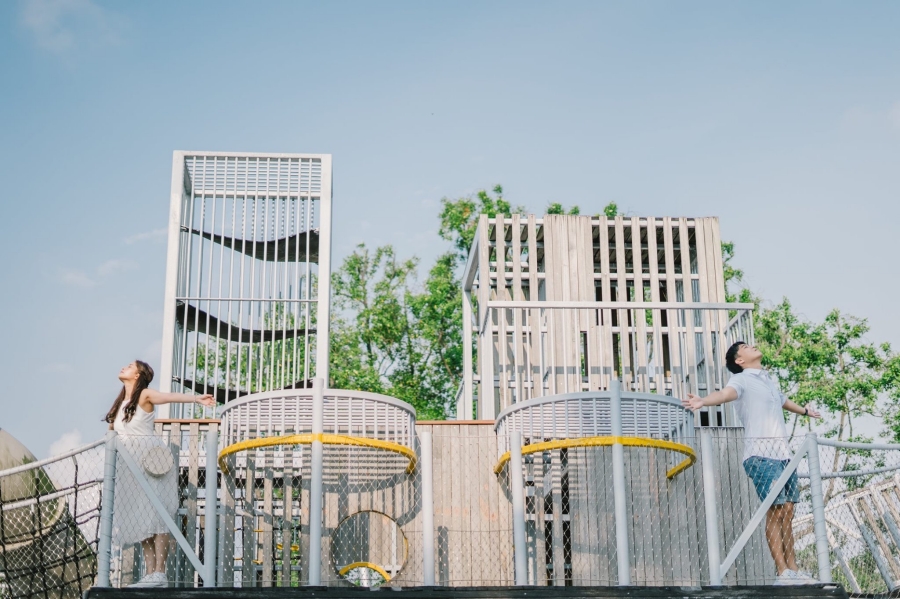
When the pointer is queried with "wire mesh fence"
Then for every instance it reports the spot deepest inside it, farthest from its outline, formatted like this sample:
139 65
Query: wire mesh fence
49 519
861 488
375 514
172 466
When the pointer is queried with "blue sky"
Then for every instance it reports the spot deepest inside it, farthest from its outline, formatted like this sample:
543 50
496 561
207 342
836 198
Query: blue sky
781 118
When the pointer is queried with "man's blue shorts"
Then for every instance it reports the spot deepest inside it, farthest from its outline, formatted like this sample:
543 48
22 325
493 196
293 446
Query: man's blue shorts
765 471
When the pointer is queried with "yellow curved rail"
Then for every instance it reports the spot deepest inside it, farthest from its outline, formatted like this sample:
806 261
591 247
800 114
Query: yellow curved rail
326 439
607 442
343 571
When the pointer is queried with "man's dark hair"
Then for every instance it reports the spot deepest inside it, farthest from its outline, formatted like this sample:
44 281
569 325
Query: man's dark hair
730 355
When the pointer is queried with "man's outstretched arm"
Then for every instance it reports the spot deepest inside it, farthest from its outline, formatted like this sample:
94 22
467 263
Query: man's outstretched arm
798 409
695 402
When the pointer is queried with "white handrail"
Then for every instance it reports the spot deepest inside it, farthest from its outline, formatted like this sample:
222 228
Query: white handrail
56 458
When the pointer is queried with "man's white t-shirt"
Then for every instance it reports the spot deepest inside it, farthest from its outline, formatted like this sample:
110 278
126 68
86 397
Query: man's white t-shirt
759 406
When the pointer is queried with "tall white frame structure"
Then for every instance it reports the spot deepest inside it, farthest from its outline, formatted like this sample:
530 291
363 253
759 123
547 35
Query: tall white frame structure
248 285
567 304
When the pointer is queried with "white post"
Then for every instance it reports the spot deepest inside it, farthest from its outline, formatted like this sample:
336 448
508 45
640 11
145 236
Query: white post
707 462
171 288
818 508
882 565
209 532
107 508
315 485
517 490
464 404
623 552
323 298
427 510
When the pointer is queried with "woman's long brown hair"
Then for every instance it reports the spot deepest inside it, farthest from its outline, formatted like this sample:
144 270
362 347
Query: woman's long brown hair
145 375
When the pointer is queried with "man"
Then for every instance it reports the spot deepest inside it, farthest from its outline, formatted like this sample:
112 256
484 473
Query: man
766 453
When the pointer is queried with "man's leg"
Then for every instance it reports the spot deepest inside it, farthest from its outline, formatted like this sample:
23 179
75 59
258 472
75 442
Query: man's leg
787 535
774 537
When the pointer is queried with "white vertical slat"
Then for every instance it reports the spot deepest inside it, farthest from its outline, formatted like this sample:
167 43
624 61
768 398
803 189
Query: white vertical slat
323 305
171 286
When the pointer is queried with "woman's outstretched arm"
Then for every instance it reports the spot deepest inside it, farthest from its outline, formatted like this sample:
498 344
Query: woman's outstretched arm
157 398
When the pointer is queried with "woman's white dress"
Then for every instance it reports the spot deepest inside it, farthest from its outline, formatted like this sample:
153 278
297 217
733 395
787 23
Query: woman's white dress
135 517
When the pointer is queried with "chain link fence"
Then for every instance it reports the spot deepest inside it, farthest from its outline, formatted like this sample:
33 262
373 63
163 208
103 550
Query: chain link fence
49 522
380 526
172 466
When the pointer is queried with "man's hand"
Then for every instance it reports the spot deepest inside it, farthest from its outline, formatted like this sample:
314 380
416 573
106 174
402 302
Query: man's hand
694 402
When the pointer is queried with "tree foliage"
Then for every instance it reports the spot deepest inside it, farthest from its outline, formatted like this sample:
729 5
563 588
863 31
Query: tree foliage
390 337
557 208
829 364
459 218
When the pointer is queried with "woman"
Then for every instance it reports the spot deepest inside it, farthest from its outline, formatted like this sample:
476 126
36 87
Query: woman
132 417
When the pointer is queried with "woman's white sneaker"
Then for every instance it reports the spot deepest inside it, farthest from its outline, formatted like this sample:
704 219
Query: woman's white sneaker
154 580
788 577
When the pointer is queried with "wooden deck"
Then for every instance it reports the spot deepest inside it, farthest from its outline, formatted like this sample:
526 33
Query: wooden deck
749 592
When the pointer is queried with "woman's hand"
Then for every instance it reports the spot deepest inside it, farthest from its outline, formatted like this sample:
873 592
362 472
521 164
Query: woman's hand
207 400
813 413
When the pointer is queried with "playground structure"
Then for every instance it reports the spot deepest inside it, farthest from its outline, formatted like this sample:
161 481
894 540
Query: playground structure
249 235
570 461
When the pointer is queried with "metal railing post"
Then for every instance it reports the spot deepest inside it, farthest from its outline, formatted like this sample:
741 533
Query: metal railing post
707 462
623 557
209 531
818 508
107 510
427 509
883 568
517 490
315 486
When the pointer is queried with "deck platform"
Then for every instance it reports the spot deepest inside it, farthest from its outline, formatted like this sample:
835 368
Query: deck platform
530 592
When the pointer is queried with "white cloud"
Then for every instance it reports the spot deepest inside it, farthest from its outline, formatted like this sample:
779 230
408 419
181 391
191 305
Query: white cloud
152 352
111 267
76 278
67 441
79 278
156 235
860 118
59 26
59 368
894 115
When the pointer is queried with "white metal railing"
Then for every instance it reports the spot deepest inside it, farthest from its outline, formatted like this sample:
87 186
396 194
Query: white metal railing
589 414
531 349
290 411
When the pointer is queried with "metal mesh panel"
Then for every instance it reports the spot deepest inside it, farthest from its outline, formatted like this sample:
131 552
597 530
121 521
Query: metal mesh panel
375 509
173 464
49 522
246 295
473 515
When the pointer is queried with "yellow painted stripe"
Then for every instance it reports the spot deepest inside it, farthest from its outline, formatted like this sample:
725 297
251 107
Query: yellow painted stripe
369 565
326 439
607 442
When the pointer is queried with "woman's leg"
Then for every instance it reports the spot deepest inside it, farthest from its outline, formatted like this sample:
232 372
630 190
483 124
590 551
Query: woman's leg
149 555
161 549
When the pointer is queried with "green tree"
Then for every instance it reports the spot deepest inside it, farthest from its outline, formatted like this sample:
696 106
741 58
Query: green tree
389 337
830 364
459 218
557 208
